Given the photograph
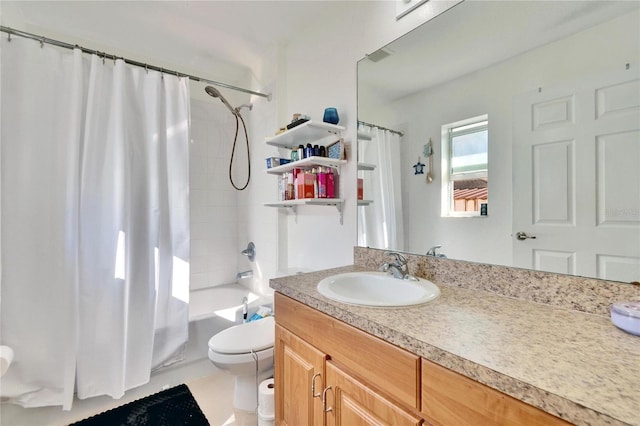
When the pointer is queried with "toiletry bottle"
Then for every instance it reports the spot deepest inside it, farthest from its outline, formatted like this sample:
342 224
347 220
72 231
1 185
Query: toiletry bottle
281 188
309 151
294 175
285 178
331 184
294 155
300 152
316 150
323 151
322 183
315 183
290 186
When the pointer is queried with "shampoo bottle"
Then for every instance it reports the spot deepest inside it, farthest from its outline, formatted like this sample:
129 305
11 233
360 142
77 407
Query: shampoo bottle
322 183
331 184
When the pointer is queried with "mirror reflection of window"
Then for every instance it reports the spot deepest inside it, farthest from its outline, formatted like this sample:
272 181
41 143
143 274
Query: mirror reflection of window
465 169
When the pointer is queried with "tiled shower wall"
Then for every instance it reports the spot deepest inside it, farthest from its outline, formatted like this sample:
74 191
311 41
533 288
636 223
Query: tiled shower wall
213 201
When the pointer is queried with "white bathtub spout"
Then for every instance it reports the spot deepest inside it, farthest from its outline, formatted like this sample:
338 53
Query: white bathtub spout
244 274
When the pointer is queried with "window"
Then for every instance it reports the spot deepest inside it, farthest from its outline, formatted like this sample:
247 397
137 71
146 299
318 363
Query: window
465 167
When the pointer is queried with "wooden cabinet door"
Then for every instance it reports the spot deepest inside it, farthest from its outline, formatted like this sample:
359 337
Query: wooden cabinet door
299 367
351 403
449 398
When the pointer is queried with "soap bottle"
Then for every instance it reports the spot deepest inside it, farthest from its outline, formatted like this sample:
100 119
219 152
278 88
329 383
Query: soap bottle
290 187
322 183
281 188
300 152
294 175
309 151
331 184
315 182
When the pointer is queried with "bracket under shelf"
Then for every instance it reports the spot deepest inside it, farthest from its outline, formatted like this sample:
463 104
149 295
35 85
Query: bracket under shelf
293 205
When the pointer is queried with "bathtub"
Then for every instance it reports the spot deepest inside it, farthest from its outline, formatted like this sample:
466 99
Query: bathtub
212 310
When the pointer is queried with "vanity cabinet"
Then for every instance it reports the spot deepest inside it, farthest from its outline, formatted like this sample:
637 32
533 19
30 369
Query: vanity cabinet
329 373
365 380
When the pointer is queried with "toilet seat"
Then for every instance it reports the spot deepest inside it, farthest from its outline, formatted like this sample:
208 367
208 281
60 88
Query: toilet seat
244 338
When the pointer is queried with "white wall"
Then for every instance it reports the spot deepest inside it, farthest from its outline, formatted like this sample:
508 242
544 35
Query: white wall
321 71
258 223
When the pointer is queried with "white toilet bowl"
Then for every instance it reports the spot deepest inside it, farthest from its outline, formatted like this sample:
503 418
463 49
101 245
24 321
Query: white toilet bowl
236 350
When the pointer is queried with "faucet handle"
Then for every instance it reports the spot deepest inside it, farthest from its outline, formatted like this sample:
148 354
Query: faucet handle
433 251
400 259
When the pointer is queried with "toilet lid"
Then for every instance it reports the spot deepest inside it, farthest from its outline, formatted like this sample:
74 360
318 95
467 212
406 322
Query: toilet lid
243 338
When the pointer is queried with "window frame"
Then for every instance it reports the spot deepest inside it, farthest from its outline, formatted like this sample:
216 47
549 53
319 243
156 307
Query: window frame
448 176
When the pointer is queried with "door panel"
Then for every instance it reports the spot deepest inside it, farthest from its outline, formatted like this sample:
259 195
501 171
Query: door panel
617 166
559 262
296 364
553 184
354 404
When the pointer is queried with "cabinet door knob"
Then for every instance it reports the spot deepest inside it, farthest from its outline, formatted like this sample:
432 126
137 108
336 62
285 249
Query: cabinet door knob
313 385
324 400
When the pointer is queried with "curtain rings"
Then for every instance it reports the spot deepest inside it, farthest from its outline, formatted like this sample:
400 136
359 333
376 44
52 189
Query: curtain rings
9 36
41 42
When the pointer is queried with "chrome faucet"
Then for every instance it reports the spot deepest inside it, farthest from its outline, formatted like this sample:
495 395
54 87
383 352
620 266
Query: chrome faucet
433 252
244 274
399 269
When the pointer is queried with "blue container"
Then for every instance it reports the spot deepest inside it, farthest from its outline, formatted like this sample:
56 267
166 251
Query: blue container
331 116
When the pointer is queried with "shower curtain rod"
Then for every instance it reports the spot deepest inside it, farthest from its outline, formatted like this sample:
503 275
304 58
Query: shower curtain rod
42 40
397 132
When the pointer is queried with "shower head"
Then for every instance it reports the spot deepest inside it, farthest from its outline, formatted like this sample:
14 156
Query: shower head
212 91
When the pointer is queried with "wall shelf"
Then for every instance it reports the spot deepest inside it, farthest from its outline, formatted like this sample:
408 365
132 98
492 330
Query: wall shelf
293 204
306 163
366 166
364 202
316 132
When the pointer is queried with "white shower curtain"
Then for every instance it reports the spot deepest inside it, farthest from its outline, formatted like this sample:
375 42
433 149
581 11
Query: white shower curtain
380 223
95 223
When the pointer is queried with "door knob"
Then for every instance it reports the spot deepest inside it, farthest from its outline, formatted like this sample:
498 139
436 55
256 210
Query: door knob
523 236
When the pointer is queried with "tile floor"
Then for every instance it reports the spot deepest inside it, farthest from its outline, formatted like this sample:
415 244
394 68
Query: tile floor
213 391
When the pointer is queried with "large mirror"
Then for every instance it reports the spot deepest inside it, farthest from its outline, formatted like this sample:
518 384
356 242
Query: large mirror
515 138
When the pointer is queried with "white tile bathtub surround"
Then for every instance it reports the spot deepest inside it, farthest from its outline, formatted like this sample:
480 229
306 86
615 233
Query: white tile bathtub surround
213 202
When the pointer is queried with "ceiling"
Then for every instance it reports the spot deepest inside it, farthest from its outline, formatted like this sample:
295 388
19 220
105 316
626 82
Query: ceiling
220 36
477 34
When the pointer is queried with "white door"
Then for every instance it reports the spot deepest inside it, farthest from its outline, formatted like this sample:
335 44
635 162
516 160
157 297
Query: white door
576 181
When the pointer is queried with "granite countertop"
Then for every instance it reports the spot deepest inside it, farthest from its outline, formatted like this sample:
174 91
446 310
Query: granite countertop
575 365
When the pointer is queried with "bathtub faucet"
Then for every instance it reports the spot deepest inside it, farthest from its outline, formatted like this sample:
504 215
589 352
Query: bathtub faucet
244 274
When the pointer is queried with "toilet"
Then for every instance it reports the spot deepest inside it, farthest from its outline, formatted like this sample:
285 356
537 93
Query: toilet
235 351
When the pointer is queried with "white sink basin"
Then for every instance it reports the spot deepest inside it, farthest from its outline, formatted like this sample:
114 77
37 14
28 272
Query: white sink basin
377 289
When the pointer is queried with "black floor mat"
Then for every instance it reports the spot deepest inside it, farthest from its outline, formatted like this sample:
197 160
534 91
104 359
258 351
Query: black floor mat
171 407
